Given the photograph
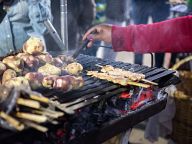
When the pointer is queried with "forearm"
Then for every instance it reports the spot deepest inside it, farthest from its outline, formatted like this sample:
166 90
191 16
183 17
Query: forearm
168 36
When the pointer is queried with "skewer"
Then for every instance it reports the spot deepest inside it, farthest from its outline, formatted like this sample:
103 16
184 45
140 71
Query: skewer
138 84
31 117
28 103
144 80
35 126
39 98
12 121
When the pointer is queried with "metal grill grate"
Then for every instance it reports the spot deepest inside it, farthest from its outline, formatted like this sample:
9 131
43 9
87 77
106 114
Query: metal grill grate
95 90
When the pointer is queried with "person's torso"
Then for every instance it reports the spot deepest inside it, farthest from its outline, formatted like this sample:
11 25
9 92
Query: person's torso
14 27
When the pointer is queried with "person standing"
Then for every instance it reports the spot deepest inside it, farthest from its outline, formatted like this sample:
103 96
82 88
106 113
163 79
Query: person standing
158 10
23 18
115 14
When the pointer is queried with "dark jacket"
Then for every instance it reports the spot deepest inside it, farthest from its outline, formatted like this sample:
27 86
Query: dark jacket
115 10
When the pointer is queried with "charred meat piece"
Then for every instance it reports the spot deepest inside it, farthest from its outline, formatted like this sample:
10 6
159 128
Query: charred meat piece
48 81
62 83
44 58
33 45
8 74
29 60
35 79
49 69
14 63
74 68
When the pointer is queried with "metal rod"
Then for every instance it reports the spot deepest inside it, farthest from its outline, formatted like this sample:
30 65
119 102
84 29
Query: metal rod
64 23
52 31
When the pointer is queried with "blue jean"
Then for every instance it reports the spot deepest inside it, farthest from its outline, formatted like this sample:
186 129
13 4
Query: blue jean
140 12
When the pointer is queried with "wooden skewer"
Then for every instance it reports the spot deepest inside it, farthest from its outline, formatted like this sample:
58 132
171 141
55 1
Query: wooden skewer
39 98
150 82
28 103
36 126
59 114
144 80
12 121
32 117
138 84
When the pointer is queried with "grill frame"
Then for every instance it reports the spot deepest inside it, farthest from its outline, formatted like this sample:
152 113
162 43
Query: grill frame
116 126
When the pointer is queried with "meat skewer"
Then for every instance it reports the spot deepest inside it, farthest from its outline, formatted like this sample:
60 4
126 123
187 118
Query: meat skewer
120 72
116 79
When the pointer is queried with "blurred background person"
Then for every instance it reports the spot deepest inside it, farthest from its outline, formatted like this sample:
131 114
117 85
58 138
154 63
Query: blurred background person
81 14
21 20
158 10
115 14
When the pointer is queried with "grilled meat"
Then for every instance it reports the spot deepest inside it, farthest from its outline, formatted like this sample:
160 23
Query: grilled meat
120 72
35 79
29 60
68 82
44 58
48 81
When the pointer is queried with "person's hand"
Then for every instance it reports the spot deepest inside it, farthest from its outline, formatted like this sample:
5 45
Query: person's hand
101 32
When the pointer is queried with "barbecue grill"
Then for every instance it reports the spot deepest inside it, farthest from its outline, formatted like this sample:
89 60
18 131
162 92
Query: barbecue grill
92 116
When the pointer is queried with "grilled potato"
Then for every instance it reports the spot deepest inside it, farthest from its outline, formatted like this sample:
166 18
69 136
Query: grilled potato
33 45
8 74
18 82
74 68
2 68
14 63
49 69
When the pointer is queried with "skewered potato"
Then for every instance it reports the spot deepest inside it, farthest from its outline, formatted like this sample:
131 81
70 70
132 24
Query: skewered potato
7 75
49 69
74 68
33 45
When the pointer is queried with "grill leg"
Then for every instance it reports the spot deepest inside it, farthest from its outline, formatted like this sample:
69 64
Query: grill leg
125 137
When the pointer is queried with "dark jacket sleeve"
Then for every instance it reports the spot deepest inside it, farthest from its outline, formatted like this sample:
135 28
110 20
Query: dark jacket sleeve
88 14
173 35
